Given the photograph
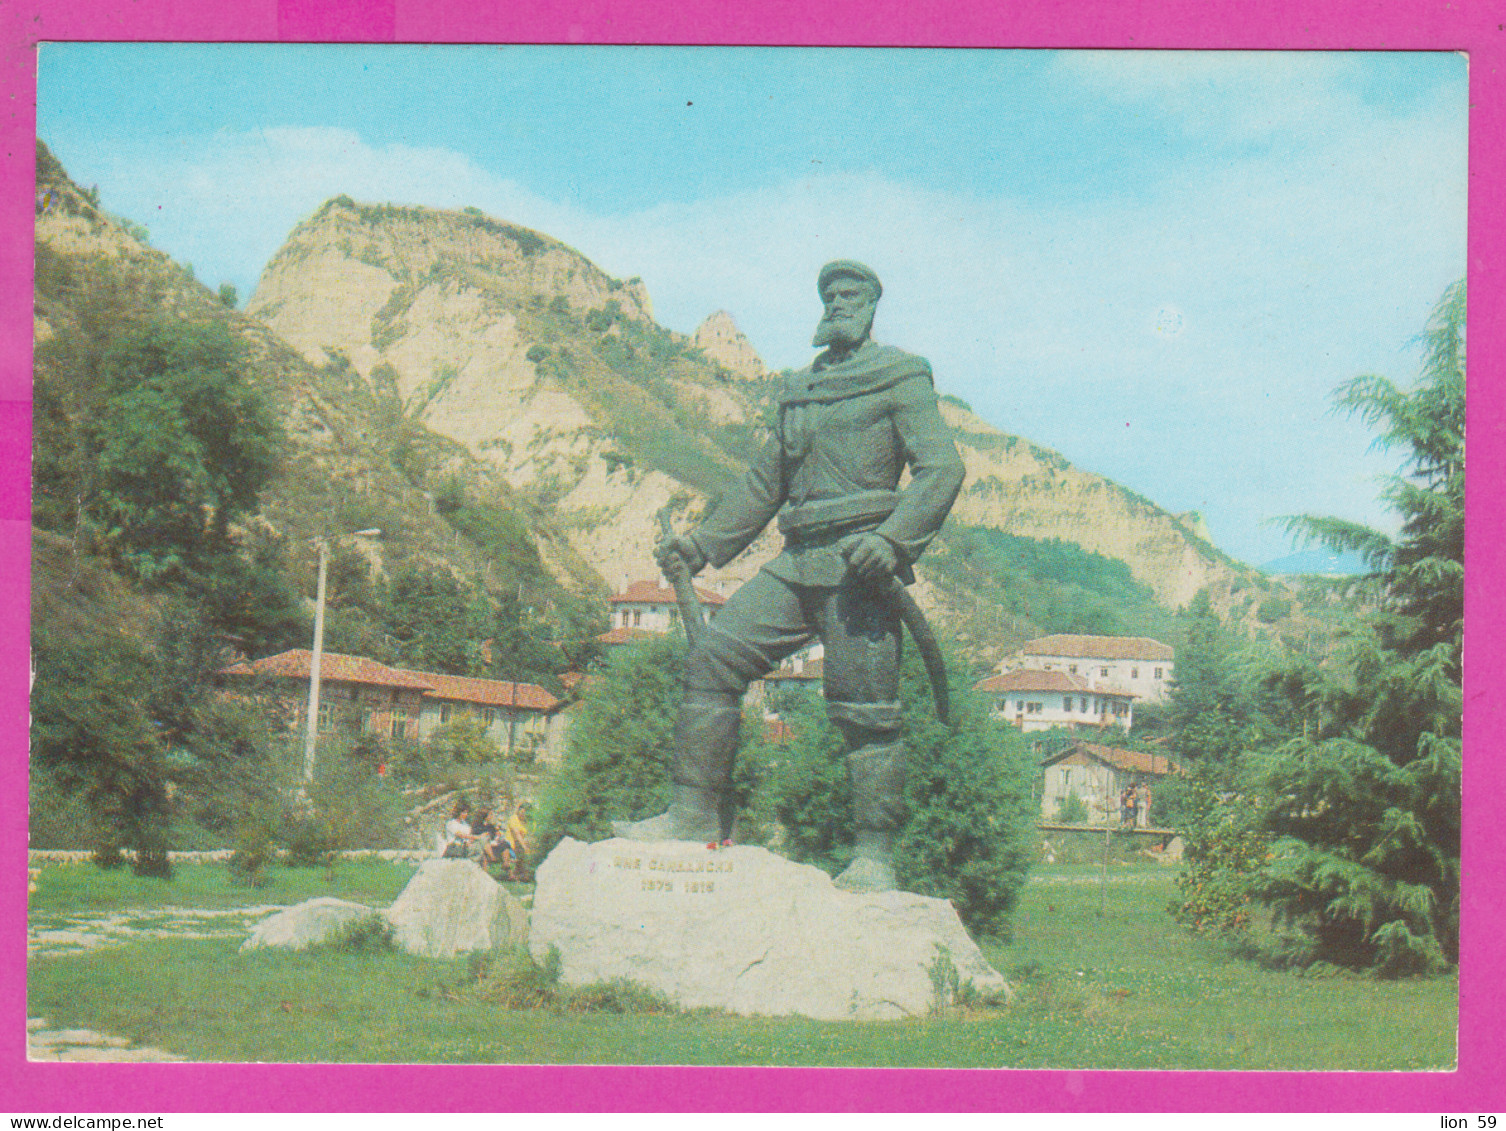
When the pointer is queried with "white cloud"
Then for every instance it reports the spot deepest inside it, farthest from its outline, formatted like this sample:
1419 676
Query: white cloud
1290 273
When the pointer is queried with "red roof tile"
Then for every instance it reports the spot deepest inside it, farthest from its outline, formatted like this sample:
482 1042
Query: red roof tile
1134 761
1100 647
650 593
1033 679
487 692
298 664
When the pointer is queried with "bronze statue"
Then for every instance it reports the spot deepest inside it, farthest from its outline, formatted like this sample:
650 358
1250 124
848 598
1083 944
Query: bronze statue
848 426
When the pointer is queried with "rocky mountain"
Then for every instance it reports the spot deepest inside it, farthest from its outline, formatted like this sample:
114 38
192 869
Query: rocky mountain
723 343
419 358
537 362
350 462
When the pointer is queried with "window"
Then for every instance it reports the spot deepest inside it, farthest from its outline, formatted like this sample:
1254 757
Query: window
1066 702
1134 673
1103 671
637 617
1084 706
1158 673
1019 704
488 716
1072 668
445 711
399 725
1033 708
326 717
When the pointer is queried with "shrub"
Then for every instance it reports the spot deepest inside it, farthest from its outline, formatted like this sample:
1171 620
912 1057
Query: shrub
970 829
1072 810
1224 847
464 740
621 748
1272 609
311 843
255 838
370 935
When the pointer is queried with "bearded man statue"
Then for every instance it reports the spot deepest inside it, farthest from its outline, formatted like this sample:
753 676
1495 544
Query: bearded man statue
848 427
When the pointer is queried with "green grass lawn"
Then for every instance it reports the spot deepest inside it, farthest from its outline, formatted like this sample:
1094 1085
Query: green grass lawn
1125 989
85 887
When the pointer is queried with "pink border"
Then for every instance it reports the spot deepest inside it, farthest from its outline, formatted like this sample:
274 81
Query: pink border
1464 25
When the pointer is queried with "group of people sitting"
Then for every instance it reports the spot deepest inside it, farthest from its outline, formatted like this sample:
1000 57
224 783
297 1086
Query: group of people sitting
473 835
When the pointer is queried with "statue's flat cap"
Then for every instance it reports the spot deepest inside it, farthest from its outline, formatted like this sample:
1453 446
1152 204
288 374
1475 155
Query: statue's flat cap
852 268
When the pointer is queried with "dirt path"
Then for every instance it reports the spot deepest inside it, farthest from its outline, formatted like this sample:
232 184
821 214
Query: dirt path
49 934
46 1043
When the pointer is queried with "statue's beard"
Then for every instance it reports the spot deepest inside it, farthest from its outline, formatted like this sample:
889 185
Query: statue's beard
843 330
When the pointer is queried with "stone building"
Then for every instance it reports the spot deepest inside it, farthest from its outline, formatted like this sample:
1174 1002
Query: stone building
1034 700
1097 776
1137 664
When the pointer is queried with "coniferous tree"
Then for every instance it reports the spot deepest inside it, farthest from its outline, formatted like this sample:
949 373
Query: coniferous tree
1365 807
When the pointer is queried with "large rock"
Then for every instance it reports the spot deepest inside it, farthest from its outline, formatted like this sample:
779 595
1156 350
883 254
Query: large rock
451 907
305 924
742 930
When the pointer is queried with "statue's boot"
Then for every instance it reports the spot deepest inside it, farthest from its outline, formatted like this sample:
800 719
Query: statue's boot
877 773
706 745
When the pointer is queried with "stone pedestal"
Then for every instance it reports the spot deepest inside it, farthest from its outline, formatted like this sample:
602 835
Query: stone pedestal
743 930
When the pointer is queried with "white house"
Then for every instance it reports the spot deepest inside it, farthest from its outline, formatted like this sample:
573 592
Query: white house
645 607
1136 663
1038 700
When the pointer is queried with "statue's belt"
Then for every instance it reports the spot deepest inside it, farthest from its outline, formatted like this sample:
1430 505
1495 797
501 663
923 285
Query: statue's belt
826 519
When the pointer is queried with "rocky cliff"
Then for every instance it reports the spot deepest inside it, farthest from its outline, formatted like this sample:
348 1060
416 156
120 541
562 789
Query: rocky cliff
523 351
350 462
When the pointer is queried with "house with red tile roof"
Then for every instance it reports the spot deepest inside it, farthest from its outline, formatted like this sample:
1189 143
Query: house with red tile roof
517 716
1033 700
1137 663
1098 776
648 607
358 695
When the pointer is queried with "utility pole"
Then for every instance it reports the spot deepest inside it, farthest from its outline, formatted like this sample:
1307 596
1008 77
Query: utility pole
313 705
312 719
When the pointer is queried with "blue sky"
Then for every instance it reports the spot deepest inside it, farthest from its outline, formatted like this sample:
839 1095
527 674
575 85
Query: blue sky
1158 263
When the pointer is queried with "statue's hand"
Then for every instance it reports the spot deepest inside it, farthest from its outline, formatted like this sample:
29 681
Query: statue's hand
683 547
871 556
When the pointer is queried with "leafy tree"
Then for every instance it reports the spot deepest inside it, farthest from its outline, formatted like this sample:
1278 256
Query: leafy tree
182 447
968 834
620 751
92 729
438 620
465 739
1212 719
1361 804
